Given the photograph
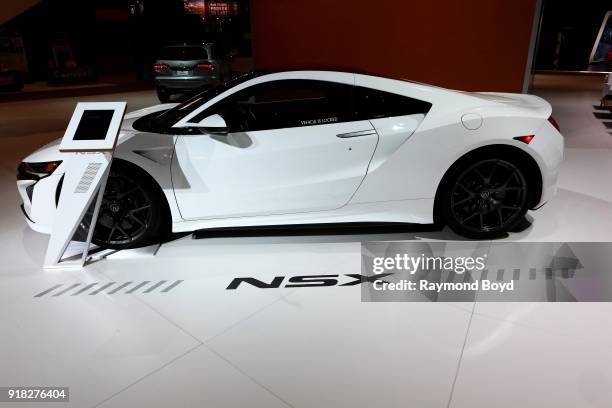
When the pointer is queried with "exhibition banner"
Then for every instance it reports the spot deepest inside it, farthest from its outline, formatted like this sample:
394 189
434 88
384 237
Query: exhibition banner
468 271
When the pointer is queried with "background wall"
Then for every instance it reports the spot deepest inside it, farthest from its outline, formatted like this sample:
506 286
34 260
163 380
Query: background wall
468 45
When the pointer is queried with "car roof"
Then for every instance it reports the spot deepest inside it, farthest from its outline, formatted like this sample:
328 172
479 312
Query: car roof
340 70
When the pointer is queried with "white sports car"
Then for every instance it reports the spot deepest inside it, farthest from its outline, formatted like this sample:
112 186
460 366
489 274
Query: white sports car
306 147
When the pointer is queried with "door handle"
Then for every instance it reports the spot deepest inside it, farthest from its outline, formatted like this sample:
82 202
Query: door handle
356 134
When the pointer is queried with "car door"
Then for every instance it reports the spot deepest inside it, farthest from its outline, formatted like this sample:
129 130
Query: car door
292 146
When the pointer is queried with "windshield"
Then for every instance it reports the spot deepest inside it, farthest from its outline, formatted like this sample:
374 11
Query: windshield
162 122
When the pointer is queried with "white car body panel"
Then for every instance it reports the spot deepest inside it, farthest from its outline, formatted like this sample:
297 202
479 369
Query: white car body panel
297 170
308 174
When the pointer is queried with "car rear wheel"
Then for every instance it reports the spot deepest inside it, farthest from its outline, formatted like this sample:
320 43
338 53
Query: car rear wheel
131 214
163 95
486 197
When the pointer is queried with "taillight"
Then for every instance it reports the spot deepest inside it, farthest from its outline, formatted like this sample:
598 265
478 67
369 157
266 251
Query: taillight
160 67
206 65
554 123
525 139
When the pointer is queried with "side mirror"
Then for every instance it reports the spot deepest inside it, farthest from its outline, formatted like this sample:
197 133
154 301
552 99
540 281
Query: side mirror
213 124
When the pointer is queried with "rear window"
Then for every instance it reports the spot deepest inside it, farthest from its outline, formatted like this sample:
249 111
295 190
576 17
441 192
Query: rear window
375 104
183 53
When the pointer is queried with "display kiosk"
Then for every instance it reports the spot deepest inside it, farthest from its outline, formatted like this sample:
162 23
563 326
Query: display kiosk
88 147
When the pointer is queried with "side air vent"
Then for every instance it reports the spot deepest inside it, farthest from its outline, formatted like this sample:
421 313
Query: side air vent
87 179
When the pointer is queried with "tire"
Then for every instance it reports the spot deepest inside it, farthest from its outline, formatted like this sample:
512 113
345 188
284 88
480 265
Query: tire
17 84
486 196
163 95
132 213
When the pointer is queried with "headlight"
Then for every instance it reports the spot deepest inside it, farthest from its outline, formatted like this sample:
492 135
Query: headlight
36 171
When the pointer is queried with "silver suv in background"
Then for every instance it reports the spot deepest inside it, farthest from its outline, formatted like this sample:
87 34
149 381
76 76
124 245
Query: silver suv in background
188 67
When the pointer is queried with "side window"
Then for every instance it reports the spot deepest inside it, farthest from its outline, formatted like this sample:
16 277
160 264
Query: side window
284 104
375 104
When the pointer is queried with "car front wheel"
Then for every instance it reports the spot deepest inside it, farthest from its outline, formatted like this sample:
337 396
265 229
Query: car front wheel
486 198
131 214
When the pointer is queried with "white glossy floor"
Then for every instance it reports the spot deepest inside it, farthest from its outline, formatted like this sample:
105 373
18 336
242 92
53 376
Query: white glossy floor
199 344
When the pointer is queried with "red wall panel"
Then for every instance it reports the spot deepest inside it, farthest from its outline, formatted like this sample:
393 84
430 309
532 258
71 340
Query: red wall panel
469 45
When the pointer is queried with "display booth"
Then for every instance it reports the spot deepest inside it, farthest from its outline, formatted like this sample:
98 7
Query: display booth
88 147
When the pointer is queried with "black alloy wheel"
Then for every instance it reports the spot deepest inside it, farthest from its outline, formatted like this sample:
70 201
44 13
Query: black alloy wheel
487 198
130 214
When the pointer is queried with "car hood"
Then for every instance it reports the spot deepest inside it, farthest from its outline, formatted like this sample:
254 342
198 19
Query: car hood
50 151
131 117
151 109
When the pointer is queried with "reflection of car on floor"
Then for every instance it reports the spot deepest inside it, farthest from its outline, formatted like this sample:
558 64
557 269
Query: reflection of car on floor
186 68
309 147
